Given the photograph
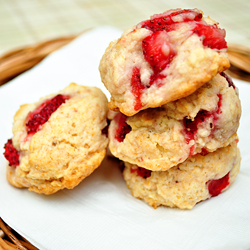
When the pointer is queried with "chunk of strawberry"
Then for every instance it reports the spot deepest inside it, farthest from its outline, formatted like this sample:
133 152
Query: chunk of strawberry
165 21
158 51
11 154
191 127
215 187
136 87
42 114
229 79
212 36
142 172
123 127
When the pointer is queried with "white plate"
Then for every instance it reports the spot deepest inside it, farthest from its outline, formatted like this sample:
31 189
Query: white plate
100 212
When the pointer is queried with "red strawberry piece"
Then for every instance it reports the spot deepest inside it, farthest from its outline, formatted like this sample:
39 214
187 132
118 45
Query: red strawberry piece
219 111
191 127
42 114
136 88
215 187
229 79
144 173
11 154
123 127
166 21
204 151
212 36
158 51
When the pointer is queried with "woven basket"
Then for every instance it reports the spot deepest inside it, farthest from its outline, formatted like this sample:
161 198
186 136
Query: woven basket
10 240
239 57
18 61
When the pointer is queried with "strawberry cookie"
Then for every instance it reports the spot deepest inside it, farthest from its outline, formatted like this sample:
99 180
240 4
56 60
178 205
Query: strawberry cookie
58 141
162 59
158 139
183 186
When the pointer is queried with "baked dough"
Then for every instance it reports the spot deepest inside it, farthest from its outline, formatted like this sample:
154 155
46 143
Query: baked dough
150 66
183 186
65 149
158 139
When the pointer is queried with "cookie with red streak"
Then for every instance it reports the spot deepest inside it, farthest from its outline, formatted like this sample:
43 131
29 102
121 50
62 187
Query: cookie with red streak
162 59
186 184
160 138
58 141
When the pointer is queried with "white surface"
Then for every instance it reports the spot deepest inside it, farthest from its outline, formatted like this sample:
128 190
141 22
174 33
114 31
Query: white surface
100 213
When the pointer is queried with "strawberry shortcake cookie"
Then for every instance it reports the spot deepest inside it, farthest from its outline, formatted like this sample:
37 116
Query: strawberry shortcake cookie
58 141
160 138
162 59
184 185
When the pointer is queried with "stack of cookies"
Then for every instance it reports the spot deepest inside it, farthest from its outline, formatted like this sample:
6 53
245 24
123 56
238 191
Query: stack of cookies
174 112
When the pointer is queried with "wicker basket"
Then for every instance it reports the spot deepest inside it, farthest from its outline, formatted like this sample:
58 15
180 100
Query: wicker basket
17 62
10 240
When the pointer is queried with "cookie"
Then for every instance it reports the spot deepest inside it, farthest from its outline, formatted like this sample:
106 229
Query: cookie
158 139
58 141
162 59
183 186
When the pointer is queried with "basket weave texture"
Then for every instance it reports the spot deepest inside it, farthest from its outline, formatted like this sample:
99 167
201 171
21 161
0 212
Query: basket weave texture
16 62
10 240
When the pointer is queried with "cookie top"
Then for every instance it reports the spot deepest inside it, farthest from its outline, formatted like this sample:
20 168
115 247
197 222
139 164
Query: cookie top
183 186
162 59
60 139
160 138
